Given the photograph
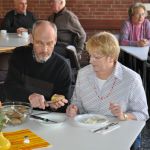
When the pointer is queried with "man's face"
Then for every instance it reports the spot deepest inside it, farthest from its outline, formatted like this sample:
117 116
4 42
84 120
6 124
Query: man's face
56 5
20 6
44 40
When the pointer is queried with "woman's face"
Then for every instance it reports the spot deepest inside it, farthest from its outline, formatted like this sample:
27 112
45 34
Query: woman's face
138 16
101 63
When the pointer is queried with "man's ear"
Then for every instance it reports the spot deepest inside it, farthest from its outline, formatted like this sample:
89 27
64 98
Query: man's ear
55 40
31 38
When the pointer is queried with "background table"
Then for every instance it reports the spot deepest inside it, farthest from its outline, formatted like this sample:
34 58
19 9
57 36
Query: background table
11 41
7 45
69 136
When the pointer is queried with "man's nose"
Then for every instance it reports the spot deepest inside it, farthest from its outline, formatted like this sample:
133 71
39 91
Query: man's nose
45 47
24 5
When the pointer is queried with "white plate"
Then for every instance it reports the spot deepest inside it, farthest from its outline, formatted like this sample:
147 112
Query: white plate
58 117
91 120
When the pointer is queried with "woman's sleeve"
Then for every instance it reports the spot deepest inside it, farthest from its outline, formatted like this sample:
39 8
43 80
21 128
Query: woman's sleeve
76 98
137 100
125 33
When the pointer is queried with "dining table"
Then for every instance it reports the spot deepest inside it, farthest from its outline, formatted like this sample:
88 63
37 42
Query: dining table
69 135
139 54
11 41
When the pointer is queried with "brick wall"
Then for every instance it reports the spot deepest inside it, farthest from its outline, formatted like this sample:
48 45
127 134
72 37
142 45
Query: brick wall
94 14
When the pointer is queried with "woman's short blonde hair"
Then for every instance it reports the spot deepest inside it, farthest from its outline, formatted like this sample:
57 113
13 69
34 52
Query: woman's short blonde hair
104 43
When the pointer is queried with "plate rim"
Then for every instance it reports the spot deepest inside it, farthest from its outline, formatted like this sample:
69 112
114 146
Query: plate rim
91 125
59 122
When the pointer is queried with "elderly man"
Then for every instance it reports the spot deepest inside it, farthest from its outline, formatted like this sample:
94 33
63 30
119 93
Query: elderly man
19 20
36 72
70 31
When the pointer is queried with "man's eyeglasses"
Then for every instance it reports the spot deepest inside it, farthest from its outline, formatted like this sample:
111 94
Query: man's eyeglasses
41 44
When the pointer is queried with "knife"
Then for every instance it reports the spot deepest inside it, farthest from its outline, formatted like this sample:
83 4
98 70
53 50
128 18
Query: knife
43 119
106 127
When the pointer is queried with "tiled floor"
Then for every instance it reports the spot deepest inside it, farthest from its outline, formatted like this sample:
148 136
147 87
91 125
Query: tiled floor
146 137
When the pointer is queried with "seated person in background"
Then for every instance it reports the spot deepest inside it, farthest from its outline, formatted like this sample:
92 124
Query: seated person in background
106 86
36 73
70 31
136 30
19 20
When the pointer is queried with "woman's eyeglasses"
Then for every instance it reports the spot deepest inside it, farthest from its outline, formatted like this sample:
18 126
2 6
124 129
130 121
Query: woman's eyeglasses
140 15
96 57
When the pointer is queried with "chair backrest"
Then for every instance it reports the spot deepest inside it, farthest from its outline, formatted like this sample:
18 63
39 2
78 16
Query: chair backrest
72 56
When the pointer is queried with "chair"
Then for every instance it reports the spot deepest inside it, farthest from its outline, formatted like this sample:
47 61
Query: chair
73 57
70 54
74 61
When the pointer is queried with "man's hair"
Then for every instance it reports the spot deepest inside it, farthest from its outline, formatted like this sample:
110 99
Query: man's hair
104 43
135 6
40 22
17 1
63 2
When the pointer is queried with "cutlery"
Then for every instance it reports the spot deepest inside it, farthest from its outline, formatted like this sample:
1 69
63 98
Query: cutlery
106 127
41 113
43 119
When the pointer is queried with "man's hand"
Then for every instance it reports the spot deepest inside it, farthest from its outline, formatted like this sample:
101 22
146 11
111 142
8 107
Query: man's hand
21 29
57 101
37 101
72 110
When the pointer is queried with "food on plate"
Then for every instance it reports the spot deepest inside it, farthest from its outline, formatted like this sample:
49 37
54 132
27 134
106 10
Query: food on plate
93 120
57 97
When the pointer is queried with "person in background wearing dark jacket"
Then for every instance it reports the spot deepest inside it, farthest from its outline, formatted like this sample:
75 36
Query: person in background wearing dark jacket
18 20
36 73
70 31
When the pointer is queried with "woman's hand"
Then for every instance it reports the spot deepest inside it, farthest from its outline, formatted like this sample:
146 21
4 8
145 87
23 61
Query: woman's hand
72 110
143 42
116 110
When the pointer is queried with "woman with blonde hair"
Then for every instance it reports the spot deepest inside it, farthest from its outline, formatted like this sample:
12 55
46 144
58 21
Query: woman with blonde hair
107 87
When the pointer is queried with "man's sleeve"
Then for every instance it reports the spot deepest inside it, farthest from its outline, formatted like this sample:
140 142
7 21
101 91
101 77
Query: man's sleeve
80 37
8 23
14 83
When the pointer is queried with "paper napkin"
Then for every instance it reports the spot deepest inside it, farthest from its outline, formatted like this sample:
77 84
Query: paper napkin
18 141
